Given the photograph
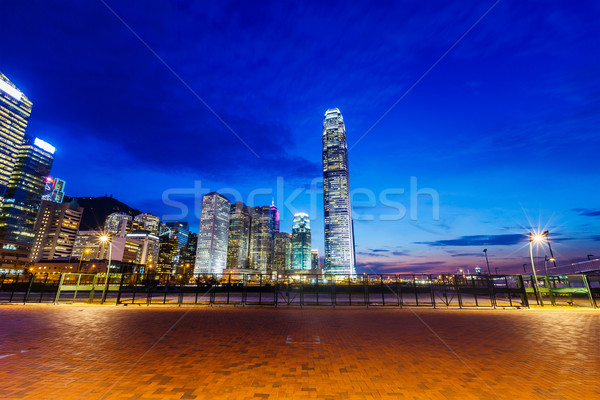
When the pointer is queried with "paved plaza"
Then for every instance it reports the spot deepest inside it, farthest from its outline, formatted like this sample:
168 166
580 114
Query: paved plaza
136 352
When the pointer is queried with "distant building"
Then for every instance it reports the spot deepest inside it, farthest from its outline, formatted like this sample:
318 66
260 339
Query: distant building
264 226
54 190
147 222
113 226
149 250
238 244
339 232
55 229
179 232
301 258
167 253
282 255
13 257
15 110
211 254
25 189
314 257
187 255
88 246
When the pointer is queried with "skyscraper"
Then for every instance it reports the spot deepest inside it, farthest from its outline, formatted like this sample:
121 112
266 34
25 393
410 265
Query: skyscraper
25 189
339 236
265 224
239 236
56 229
282 258
15 110
211 254
314 254
179 232
301 258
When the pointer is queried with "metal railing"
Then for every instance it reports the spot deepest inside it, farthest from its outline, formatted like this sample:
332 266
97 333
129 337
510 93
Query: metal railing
367 290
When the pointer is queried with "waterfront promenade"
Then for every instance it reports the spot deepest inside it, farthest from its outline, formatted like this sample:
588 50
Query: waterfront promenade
165 352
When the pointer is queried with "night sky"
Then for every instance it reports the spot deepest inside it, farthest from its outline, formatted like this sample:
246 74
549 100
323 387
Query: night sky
504 126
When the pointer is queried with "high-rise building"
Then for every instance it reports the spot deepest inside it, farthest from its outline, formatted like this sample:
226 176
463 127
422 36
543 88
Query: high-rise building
238 243
25 189
147 222
282 254
339 235
179 232
211 253
264 226
314 257
149 250
113 226
187 255
55 229
88 246
15 110
301 258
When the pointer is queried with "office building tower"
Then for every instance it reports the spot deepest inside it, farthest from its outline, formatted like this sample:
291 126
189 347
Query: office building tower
15 110
113 226
179 232
55 230
339 235
211 253
314 257
148 250
282 254
238 243
301 258
187 255
88 246
25 189
264 226
147 222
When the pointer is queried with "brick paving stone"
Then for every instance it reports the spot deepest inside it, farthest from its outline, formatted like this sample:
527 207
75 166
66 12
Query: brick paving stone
107 352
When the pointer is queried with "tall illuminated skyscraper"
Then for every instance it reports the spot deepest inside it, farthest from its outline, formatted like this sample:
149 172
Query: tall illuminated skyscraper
211 253
339 235
239 236
301 258
282 252
15 110
264 226
25 190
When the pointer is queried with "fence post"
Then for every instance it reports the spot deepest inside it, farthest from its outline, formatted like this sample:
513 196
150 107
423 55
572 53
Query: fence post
14 288
432 290
523 290
589 291
332 291
120 287
60 282
94 282
28 289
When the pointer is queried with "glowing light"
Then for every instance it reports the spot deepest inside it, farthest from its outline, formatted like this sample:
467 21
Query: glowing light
44 145
538 238
14 93
103 238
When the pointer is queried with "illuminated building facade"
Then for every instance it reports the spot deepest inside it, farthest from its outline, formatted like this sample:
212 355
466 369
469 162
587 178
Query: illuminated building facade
147 222
55 230
314 257
282 254
25 189
54 190
211 253
301 258
264 226
15 110
179 232
113 226
238 243
339 235
88 246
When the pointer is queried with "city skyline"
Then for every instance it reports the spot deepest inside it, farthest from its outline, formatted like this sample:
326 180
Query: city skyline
501 134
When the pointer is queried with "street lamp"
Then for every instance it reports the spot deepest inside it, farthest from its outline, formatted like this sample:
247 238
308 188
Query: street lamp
525 268
105 239
550 248
589 256
546 259
87 251
538 239
488 263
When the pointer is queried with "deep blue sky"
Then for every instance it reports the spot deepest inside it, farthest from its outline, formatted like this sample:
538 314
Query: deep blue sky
505 127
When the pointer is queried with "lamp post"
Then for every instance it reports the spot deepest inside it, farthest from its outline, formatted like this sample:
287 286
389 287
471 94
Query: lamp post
546 259
537 238
81 259
550 248
589 256
105 239
487 262
525 268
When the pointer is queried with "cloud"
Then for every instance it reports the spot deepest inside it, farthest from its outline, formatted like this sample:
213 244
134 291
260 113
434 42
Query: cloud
588 212
480 240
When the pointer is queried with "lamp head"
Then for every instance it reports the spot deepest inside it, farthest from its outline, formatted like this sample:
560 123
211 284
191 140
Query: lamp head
104 238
